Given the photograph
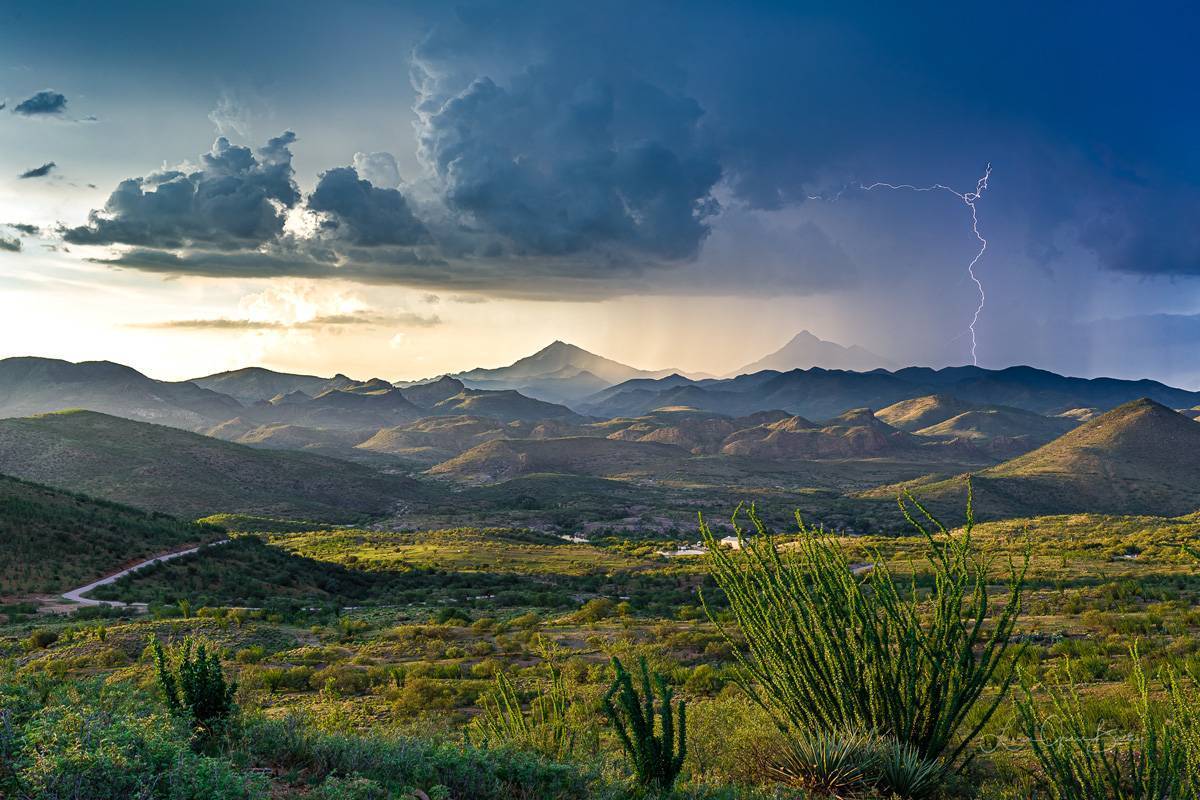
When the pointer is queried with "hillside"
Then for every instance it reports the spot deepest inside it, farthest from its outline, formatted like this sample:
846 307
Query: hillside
501 460
164 469
1000 430
1140 458
922 412
435 439
41 385
805 350
252 384
699 432
52 541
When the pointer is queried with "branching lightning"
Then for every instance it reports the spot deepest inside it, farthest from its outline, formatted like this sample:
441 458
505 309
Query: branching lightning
968 199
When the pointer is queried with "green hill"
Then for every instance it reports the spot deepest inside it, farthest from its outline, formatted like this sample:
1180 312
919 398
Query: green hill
921 412
1139 458
52 541
1001 430
189 475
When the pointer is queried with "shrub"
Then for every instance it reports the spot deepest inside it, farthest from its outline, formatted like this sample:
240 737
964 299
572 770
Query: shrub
545 728
827 650
41 638
195 689
657 758
1079 762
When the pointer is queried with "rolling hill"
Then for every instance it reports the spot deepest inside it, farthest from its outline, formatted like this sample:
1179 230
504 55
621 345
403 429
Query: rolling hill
40 385
503 405
1139 458
922 412
855 434
432 440
504 459
51 540
189 475
1000 431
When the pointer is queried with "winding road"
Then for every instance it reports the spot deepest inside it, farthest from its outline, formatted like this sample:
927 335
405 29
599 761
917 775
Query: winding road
77 595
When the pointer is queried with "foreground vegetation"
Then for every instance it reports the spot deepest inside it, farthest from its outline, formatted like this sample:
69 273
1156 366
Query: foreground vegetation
991 661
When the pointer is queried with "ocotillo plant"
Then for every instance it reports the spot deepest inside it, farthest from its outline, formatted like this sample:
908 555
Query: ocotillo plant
657 758
830 650
195 688
1082 762
544 728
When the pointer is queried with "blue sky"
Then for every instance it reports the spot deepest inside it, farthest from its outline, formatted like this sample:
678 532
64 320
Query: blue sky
458 184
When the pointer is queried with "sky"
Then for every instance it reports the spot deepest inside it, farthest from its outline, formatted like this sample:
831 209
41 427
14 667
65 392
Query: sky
406 189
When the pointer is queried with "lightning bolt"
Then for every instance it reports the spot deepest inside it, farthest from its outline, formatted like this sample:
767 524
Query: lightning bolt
968 199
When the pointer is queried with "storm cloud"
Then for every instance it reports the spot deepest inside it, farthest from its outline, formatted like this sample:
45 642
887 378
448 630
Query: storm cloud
364 214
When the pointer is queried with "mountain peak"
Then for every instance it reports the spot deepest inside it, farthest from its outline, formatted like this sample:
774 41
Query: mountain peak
806 350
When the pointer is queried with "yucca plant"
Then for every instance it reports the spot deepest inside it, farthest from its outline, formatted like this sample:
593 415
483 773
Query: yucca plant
544 728
830 763
194 687
1082 762
829 650
657 757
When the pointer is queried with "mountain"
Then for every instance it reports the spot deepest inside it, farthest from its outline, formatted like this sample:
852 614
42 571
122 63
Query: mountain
559 372
356 408
855 434
189 475
427 395
52 541
503 459
1139 458
821 394
38 385
252 384
806 350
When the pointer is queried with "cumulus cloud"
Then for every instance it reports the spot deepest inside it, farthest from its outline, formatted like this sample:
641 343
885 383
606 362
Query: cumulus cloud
43 104
38 172
25 228
365 214
378 168
236 198
10 245
559 163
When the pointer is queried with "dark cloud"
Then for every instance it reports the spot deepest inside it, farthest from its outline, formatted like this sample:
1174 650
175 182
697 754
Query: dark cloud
363 214
237 198
3 106
10 245
38 172
44 103
25 228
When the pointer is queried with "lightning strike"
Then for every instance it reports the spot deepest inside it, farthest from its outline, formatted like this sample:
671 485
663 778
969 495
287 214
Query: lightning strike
968 199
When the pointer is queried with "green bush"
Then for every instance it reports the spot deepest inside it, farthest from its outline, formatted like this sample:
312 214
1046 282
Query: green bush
194 687
830 650
657 757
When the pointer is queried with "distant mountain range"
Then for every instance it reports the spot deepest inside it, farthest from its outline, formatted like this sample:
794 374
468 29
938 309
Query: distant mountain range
822 394
805 351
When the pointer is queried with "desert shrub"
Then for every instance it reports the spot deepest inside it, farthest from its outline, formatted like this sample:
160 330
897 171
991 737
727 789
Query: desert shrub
1083 762
546 728
656 757
828 650
195 689
41 638
593 610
